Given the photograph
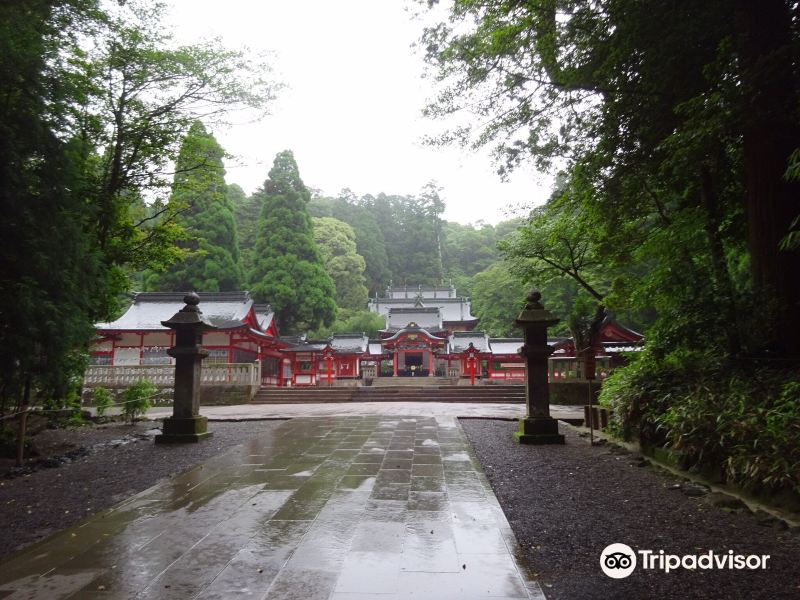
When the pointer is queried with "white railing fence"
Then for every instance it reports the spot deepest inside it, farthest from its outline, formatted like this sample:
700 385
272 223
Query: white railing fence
164 375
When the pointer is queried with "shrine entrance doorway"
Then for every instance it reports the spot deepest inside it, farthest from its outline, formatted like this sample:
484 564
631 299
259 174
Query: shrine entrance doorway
414 363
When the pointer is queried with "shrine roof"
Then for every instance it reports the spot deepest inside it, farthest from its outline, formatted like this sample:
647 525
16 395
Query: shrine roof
459 341
426 291
505 345
264 314
406 330
226 310
613 331
399 318
450 309
315 346
349 343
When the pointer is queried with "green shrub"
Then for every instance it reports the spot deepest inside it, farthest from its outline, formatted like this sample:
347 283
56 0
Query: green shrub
103 400
738 418
72 403
643 389
136 399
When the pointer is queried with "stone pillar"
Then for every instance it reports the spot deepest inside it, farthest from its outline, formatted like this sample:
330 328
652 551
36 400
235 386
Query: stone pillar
186 424
538 427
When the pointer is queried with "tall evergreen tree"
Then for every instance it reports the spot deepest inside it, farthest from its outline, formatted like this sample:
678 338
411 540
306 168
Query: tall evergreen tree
336 241
211 260
287 268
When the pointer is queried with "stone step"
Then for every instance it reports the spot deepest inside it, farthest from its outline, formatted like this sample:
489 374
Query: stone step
444 393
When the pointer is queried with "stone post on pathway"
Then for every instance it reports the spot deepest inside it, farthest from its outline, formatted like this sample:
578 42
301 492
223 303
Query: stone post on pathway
186 424
538 427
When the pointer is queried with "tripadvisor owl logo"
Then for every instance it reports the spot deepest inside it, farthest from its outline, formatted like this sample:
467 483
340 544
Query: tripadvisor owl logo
618 561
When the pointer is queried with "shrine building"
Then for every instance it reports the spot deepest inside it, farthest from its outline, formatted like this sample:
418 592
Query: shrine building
429 332
245 349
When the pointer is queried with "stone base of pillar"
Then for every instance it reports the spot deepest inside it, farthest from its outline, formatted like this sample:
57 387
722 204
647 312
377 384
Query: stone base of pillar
538 431
191 429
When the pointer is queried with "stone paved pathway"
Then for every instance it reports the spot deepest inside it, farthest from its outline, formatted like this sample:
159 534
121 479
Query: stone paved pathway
341 508
452 409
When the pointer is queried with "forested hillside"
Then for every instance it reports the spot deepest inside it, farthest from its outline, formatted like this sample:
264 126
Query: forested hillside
359 244
288 247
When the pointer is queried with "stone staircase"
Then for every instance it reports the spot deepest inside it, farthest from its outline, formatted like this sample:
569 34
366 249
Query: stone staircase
402 393
300 395
394 382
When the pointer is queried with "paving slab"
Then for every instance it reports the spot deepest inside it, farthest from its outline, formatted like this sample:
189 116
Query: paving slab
338 507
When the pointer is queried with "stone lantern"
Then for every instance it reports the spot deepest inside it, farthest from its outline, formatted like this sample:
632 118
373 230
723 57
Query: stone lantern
186 424
538 427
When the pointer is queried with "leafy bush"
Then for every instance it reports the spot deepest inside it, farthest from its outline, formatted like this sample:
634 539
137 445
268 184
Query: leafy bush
72 404
103 400
642 390
740 418
136 399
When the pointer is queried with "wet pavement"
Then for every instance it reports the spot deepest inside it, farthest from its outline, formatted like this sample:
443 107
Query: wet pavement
430 409
343 508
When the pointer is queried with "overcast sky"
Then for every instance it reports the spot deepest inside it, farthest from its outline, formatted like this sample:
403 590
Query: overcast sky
351 111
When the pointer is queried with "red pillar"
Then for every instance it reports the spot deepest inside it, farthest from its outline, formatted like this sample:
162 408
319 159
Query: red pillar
472 370
430 363
395 361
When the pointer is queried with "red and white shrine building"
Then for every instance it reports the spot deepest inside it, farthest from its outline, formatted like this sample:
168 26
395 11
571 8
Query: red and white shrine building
244 349
429 332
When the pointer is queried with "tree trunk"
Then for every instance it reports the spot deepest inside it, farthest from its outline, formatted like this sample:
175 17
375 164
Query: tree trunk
723 285
770 134
23 421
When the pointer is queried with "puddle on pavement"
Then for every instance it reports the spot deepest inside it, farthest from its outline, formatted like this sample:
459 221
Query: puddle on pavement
327 507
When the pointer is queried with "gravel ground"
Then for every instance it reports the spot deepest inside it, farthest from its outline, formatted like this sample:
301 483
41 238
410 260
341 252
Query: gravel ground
123 461
567 503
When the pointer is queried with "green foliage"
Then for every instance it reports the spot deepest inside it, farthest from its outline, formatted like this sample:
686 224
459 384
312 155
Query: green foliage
95 103
653 113
497 298
53 277
210 261
246 211
103 400
336 241
469 249
412 230
741 418
370 243
351 321
287 271
145 93
423 248
136 399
